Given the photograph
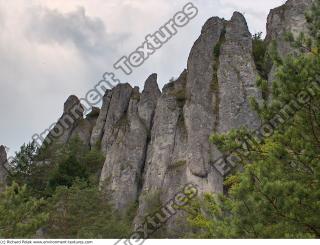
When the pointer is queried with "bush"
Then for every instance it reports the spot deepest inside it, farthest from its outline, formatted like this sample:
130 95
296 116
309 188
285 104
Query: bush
81 212
260 55
21 214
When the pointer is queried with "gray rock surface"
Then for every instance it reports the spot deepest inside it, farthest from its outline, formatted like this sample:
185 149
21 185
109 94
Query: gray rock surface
83 128
98 128
119 103
148 100
155 142
287 18
200 107
237 77
72 115
121 173
3 171
162 150
212 95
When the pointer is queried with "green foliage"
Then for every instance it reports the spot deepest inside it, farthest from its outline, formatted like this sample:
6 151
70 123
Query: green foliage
75 161
260 55
81 212
28 168
217 47
67 172
180 95
94 160
123 122
314 21
42 170
153 201
22 163
59 195
277 193
177 165
21 215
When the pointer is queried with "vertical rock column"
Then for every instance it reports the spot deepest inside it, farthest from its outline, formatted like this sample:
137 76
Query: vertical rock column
211 96
125 141
237 77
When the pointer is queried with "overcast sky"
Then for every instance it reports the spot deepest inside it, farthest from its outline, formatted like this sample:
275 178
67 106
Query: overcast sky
50 49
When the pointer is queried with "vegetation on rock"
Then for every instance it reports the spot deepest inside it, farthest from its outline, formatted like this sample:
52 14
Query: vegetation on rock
276 195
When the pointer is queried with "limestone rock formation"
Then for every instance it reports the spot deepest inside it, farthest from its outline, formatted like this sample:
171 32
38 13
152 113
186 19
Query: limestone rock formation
148 100
84 126
98 128
72 115
237 78
288 18
210 96
119 103
156 142
3 171
127 116
121 174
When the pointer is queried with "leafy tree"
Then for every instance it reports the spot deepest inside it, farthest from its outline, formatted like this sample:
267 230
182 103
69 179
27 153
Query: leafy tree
22 164
66 172
81 212
21 215
277 193
76 161
42 170
27 168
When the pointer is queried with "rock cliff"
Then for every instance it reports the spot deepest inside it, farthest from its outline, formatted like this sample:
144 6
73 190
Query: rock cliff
288 18
156 142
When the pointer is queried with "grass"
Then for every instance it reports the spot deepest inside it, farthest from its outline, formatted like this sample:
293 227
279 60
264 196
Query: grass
177 164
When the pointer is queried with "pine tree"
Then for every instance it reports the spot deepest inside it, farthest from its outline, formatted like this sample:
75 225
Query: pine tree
82 212
21 215
277 192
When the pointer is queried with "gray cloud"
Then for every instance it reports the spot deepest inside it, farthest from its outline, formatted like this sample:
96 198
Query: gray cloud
51 49
87 34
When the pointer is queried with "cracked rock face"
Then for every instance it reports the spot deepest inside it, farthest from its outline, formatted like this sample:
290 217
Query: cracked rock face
3 171
199 109
121 173
211 95
120 98
98 128
127 124
237 77
157 142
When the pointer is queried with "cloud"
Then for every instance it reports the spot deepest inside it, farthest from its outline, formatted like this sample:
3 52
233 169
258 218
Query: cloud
75 28
51 49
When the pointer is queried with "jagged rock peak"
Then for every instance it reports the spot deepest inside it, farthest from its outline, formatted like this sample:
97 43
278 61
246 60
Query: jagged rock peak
239 25
148 100
70 103
151 84
210 23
